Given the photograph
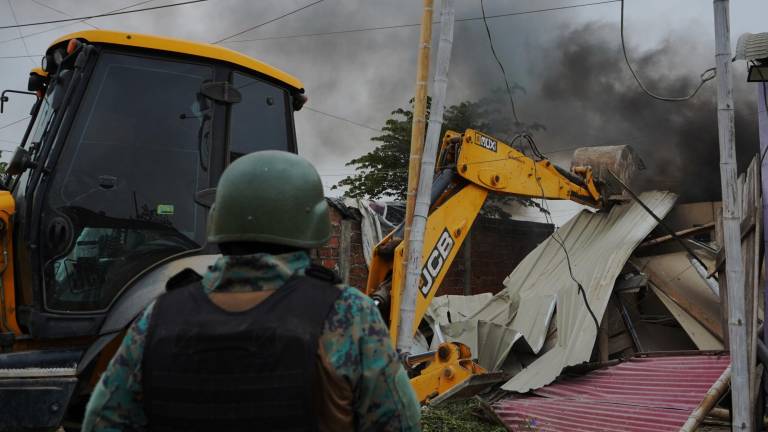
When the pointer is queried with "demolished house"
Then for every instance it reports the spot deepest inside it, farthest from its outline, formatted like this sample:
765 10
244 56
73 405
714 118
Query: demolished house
612 311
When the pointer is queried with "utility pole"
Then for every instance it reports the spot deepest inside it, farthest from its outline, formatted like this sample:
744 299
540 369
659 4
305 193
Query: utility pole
414 244
418 127
741 411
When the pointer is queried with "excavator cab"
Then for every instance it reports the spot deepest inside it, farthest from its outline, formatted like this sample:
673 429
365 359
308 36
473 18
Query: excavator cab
108 194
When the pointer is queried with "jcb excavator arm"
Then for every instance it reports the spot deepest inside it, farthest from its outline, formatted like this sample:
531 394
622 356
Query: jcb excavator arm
470 166
479 164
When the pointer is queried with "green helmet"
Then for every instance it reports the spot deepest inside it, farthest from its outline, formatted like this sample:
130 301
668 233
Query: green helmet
270 197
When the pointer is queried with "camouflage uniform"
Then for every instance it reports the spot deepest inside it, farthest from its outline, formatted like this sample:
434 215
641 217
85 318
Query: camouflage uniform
354 342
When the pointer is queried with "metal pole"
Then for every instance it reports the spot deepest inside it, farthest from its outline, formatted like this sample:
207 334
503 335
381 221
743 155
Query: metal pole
734 273
415 239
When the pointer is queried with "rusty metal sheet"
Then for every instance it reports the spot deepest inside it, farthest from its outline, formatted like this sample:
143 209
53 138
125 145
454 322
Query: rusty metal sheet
701 337
690 291
638 395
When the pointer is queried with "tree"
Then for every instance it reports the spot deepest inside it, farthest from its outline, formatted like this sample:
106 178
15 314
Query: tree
383 172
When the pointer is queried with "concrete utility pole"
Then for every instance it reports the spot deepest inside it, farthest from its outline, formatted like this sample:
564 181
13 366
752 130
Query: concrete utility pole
415 244
404 338
741 412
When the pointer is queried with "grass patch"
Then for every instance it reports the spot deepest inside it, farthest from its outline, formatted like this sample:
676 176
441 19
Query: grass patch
456 417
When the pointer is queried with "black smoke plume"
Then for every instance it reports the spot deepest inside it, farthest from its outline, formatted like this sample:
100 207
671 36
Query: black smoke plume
585 95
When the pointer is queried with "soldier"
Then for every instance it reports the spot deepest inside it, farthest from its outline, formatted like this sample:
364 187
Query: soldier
266 340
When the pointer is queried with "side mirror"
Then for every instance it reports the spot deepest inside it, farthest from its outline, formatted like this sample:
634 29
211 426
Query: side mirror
4 98
221 91
20 162
63 79
206 197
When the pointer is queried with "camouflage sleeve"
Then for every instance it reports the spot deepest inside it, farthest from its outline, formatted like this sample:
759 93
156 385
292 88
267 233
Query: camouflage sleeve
358 345
115 404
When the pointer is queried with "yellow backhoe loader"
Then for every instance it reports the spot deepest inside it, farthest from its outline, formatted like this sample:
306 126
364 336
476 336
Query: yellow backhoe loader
105 199
470 166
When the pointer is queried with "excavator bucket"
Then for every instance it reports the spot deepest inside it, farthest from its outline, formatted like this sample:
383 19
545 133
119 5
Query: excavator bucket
621 160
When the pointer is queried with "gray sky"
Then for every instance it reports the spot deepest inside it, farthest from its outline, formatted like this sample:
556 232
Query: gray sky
363 76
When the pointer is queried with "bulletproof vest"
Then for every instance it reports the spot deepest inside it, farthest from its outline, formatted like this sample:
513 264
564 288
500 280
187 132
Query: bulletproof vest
205 368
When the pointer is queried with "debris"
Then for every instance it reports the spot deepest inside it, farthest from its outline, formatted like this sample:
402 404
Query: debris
599 245
699 334
681 234
675 276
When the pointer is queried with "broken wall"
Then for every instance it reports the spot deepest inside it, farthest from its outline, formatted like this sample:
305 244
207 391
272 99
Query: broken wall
496 246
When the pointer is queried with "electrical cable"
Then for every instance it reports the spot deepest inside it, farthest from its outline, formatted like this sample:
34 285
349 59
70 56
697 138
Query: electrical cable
267 22
364 29
69 24
21 56
705 76
83 18
60 12
15 122
559 241
501 66
21 35
342 119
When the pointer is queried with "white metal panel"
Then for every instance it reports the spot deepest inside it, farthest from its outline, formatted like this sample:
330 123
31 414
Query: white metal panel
599 245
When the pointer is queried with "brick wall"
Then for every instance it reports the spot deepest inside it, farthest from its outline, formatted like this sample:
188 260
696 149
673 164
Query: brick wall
496 247
330 256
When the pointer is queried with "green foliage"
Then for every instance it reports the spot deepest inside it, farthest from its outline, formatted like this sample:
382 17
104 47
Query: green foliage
383 172
457 417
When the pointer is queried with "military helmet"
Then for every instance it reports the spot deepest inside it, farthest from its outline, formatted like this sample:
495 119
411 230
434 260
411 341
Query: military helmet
270 197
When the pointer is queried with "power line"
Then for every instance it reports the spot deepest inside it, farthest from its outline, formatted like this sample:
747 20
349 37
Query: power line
103 15
343 119
69 24
501 66
15 122
705 76
21 56
60 12
21 35
268 22
397 26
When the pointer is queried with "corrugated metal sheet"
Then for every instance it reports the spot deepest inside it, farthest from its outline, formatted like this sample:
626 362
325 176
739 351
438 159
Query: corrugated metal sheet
676 272
641 394
599 245
752 46
458 306
701 337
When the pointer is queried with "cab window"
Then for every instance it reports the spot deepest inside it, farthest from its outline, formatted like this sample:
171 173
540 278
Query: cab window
260 120
122 196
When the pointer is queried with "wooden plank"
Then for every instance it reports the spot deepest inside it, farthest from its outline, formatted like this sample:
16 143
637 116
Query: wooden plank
747 253
713 325
754 204
722 280
683 233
